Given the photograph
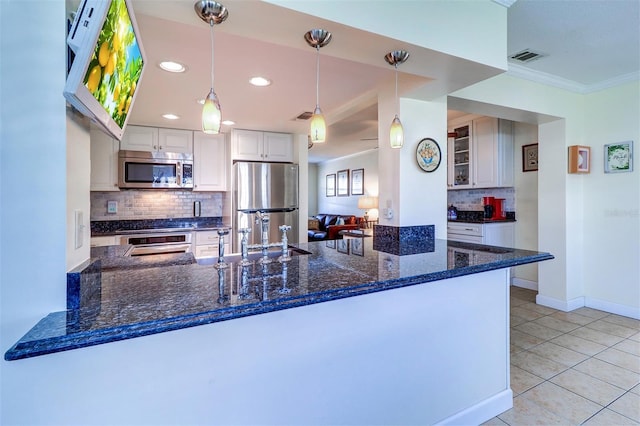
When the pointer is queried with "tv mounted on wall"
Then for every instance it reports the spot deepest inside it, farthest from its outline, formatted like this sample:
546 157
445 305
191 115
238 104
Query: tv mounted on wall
108 63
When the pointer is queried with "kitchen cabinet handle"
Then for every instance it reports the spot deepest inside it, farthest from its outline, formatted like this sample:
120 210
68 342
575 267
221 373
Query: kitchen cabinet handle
468 229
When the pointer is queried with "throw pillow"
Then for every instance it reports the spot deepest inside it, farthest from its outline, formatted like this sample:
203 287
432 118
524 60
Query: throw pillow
340 221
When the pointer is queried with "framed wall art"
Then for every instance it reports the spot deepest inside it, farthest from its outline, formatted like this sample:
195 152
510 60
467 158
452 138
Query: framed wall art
618 157
579 159
343 183
343 245
331 185
428 154
357 182
530 157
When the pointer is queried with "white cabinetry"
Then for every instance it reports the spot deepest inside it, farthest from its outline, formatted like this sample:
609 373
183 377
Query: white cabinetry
481 155
104 161
108 240
209 162
492 153
254 145
142 138
207 244
494 234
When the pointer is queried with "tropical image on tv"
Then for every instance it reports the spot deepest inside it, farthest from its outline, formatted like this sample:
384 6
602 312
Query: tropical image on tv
116 65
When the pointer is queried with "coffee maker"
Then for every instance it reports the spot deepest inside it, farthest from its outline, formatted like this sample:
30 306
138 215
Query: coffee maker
488 207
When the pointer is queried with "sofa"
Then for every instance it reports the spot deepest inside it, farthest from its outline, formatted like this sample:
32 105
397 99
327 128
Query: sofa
327 227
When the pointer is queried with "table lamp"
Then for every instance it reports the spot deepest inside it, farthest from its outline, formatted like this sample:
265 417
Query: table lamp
367 203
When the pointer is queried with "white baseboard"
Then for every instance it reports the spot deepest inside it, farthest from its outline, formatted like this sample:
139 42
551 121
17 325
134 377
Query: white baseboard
562 305
485 410
579 302
613 308
521 282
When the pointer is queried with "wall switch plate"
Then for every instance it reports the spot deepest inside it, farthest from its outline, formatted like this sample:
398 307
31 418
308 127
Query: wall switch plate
112 207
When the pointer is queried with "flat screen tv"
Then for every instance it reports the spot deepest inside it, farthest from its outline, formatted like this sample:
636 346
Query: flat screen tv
108 63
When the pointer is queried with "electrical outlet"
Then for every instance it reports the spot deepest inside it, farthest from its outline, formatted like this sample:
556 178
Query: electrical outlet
112 207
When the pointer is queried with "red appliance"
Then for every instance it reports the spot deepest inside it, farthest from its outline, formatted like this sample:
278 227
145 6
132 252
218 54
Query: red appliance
498 209
487 202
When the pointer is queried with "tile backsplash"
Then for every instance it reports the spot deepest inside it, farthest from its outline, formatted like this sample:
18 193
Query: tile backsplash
155 204
471 199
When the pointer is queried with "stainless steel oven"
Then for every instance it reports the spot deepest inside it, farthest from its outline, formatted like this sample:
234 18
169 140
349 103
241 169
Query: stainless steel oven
157 241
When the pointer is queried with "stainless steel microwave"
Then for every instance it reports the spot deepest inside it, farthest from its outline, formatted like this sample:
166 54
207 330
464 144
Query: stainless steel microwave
155 170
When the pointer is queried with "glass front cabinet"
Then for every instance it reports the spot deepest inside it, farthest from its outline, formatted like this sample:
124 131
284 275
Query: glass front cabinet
459 156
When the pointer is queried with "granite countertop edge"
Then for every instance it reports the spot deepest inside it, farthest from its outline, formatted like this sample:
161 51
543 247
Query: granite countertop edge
26 347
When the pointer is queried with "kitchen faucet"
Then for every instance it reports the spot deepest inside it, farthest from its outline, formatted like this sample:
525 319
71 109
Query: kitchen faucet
263 219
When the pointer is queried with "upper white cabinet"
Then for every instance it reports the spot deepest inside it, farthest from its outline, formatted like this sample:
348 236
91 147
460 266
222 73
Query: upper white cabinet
493 152
104 161
142 138
459 158
209 162
481 154
254 145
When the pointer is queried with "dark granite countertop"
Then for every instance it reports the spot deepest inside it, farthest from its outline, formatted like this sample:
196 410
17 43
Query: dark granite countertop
116 227
474 220
111 304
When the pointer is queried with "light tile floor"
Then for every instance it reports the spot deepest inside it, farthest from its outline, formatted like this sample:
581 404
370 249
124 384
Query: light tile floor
571 368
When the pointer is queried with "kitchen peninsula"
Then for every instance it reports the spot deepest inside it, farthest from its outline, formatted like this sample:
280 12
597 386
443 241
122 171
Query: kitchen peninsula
420 338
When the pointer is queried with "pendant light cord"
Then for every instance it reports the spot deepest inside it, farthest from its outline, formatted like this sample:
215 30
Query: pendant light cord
397 102
211 26
317 76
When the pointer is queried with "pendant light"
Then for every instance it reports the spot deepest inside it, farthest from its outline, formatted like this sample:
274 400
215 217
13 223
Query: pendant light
317 38
212 13
396 133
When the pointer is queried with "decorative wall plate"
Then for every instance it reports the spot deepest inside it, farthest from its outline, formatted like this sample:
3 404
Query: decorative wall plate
428 154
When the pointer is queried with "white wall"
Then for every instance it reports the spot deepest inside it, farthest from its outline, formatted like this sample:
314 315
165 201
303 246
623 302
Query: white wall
78 188
575 223
312 194
611 203
368 161
526 185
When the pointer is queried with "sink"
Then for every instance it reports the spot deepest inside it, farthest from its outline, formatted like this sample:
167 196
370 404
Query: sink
253 256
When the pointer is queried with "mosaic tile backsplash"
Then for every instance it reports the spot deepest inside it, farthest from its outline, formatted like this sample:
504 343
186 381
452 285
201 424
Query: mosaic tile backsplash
471 199
160 204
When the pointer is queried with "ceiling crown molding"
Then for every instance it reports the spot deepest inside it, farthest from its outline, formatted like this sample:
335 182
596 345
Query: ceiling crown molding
505 3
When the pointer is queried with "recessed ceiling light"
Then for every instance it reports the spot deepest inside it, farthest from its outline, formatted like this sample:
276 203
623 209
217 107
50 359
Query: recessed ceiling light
228 122
170 116
200 101
172 66
260 81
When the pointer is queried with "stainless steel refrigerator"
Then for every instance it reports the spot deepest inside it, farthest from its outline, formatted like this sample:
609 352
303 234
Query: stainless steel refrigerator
265 187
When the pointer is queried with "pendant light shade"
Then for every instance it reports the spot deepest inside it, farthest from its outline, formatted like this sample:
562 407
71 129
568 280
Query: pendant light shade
396 132
212 13
318 128
211 114
317 38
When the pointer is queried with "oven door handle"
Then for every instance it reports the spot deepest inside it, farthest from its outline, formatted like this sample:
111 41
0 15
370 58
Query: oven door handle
146 250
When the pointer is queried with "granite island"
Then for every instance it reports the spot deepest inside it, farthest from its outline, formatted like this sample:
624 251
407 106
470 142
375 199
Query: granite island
353 334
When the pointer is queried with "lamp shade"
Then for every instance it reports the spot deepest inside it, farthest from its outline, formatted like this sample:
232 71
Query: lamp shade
367 203
211 114
318 128
396 133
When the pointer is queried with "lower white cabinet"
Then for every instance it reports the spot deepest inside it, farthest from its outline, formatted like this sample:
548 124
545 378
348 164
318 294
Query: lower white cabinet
494 234
207 244
104 161
209 162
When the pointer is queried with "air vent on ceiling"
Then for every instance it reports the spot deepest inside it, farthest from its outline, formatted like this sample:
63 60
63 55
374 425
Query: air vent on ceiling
526 55
304 116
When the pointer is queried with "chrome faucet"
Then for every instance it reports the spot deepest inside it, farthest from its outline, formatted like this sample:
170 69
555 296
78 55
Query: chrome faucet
263 219
221 263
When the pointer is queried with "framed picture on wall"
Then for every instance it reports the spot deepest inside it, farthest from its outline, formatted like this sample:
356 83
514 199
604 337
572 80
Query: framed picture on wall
530 157
331 185
357 182
618 157
579 159
343 183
